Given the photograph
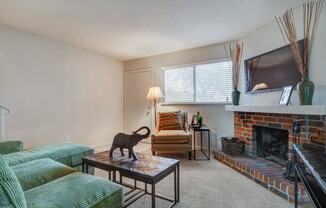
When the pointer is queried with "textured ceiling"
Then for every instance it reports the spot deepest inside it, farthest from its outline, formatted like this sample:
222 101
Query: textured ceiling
129 29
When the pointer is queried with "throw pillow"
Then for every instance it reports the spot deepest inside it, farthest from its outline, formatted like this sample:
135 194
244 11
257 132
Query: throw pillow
171 121
11 193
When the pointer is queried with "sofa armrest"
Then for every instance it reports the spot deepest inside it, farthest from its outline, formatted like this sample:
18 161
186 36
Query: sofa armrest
11 147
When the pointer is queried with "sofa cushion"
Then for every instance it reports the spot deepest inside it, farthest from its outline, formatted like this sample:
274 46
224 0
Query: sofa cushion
11 193
38 172
171 121
65 153
76 190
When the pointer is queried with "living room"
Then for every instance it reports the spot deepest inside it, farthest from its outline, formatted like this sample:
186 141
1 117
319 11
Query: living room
191 92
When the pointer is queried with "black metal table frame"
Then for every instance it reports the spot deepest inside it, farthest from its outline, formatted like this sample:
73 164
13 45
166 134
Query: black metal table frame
300 175
136 192
201 130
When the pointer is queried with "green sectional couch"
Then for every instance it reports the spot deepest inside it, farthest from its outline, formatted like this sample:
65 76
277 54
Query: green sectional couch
49 178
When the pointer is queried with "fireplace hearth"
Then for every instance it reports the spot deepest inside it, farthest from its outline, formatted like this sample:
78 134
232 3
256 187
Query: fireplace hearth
265 151
272 144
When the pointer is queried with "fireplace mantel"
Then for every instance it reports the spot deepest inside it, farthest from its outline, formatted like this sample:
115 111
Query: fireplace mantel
295 110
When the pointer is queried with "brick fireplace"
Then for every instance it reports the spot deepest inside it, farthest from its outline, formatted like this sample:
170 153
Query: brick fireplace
312 127
258 163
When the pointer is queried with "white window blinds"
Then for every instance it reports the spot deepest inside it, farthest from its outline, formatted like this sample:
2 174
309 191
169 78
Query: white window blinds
213 82
201 83
179 85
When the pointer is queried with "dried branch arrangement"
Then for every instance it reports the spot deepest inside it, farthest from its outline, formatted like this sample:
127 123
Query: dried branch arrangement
234 53
286 23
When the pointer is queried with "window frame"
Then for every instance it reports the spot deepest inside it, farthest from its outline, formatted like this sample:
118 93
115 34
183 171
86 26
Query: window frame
193 65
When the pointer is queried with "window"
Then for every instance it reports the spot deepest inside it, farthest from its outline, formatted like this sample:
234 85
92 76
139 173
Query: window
200 83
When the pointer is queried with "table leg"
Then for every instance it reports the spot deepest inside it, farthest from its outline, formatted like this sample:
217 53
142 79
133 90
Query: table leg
178 183
175 184
194 145
295 182
209 145
153 195
114 176
86 168
146 188
201 140
110 176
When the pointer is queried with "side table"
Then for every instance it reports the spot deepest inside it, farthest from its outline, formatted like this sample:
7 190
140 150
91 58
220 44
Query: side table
201 130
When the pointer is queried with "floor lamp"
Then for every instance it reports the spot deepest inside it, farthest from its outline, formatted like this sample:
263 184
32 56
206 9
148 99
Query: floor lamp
154 93
3 111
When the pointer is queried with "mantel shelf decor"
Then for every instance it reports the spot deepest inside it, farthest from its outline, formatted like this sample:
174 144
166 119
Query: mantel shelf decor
234 53
311 13
298 110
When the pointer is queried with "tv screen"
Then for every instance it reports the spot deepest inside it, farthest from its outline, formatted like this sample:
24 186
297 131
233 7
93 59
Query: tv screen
272 70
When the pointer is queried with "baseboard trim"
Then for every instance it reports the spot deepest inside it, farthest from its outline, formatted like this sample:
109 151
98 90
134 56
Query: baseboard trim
100 145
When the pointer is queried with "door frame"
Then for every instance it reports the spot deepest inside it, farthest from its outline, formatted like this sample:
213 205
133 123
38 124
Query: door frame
141 70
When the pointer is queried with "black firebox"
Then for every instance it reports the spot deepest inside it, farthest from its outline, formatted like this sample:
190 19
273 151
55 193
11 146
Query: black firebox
272 144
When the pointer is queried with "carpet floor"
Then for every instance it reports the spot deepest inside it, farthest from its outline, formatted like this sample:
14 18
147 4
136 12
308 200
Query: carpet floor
210 184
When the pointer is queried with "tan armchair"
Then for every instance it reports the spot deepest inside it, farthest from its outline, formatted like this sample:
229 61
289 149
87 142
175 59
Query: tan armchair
172 134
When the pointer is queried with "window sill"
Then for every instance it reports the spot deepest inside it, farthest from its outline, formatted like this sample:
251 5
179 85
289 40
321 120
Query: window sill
208 103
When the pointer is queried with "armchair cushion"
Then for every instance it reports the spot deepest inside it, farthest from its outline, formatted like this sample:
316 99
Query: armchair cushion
11 193
172 137
10 147
172 133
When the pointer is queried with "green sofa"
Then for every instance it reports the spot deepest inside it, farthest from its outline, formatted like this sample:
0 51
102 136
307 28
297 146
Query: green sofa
49 178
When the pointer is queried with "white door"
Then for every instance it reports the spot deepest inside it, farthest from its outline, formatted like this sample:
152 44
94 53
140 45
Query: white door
137 107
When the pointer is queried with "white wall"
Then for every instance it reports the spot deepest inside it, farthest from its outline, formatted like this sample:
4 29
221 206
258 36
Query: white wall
54 90
268 38
215 116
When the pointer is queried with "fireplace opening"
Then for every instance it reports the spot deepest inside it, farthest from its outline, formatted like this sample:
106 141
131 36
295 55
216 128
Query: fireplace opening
272 144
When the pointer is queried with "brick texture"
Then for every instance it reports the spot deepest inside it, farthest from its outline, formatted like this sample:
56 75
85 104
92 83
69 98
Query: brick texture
264 173
312 127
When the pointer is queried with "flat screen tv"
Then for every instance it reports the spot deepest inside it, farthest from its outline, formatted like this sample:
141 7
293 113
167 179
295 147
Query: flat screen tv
272 70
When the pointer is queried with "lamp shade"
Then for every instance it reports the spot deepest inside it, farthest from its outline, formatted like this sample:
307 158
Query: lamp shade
154 93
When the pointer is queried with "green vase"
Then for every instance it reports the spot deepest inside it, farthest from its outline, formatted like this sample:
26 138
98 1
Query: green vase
235 97
306 89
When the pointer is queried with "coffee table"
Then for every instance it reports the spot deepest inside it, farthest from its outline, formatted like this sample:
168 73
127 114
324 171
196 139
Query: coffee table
147 169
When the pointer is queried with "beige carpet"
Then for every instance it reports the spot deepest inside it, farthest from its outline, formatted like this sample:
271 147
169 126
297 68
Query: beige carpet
211 184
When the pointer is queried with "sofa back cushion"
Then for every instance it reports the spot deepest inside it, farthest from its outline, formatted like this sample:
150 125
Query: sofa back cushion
10 147
171 121
11 193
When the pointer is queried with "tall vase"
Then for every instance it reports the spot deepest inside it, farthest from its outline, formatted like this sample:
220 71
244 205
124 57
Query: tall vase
235 97
306 89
